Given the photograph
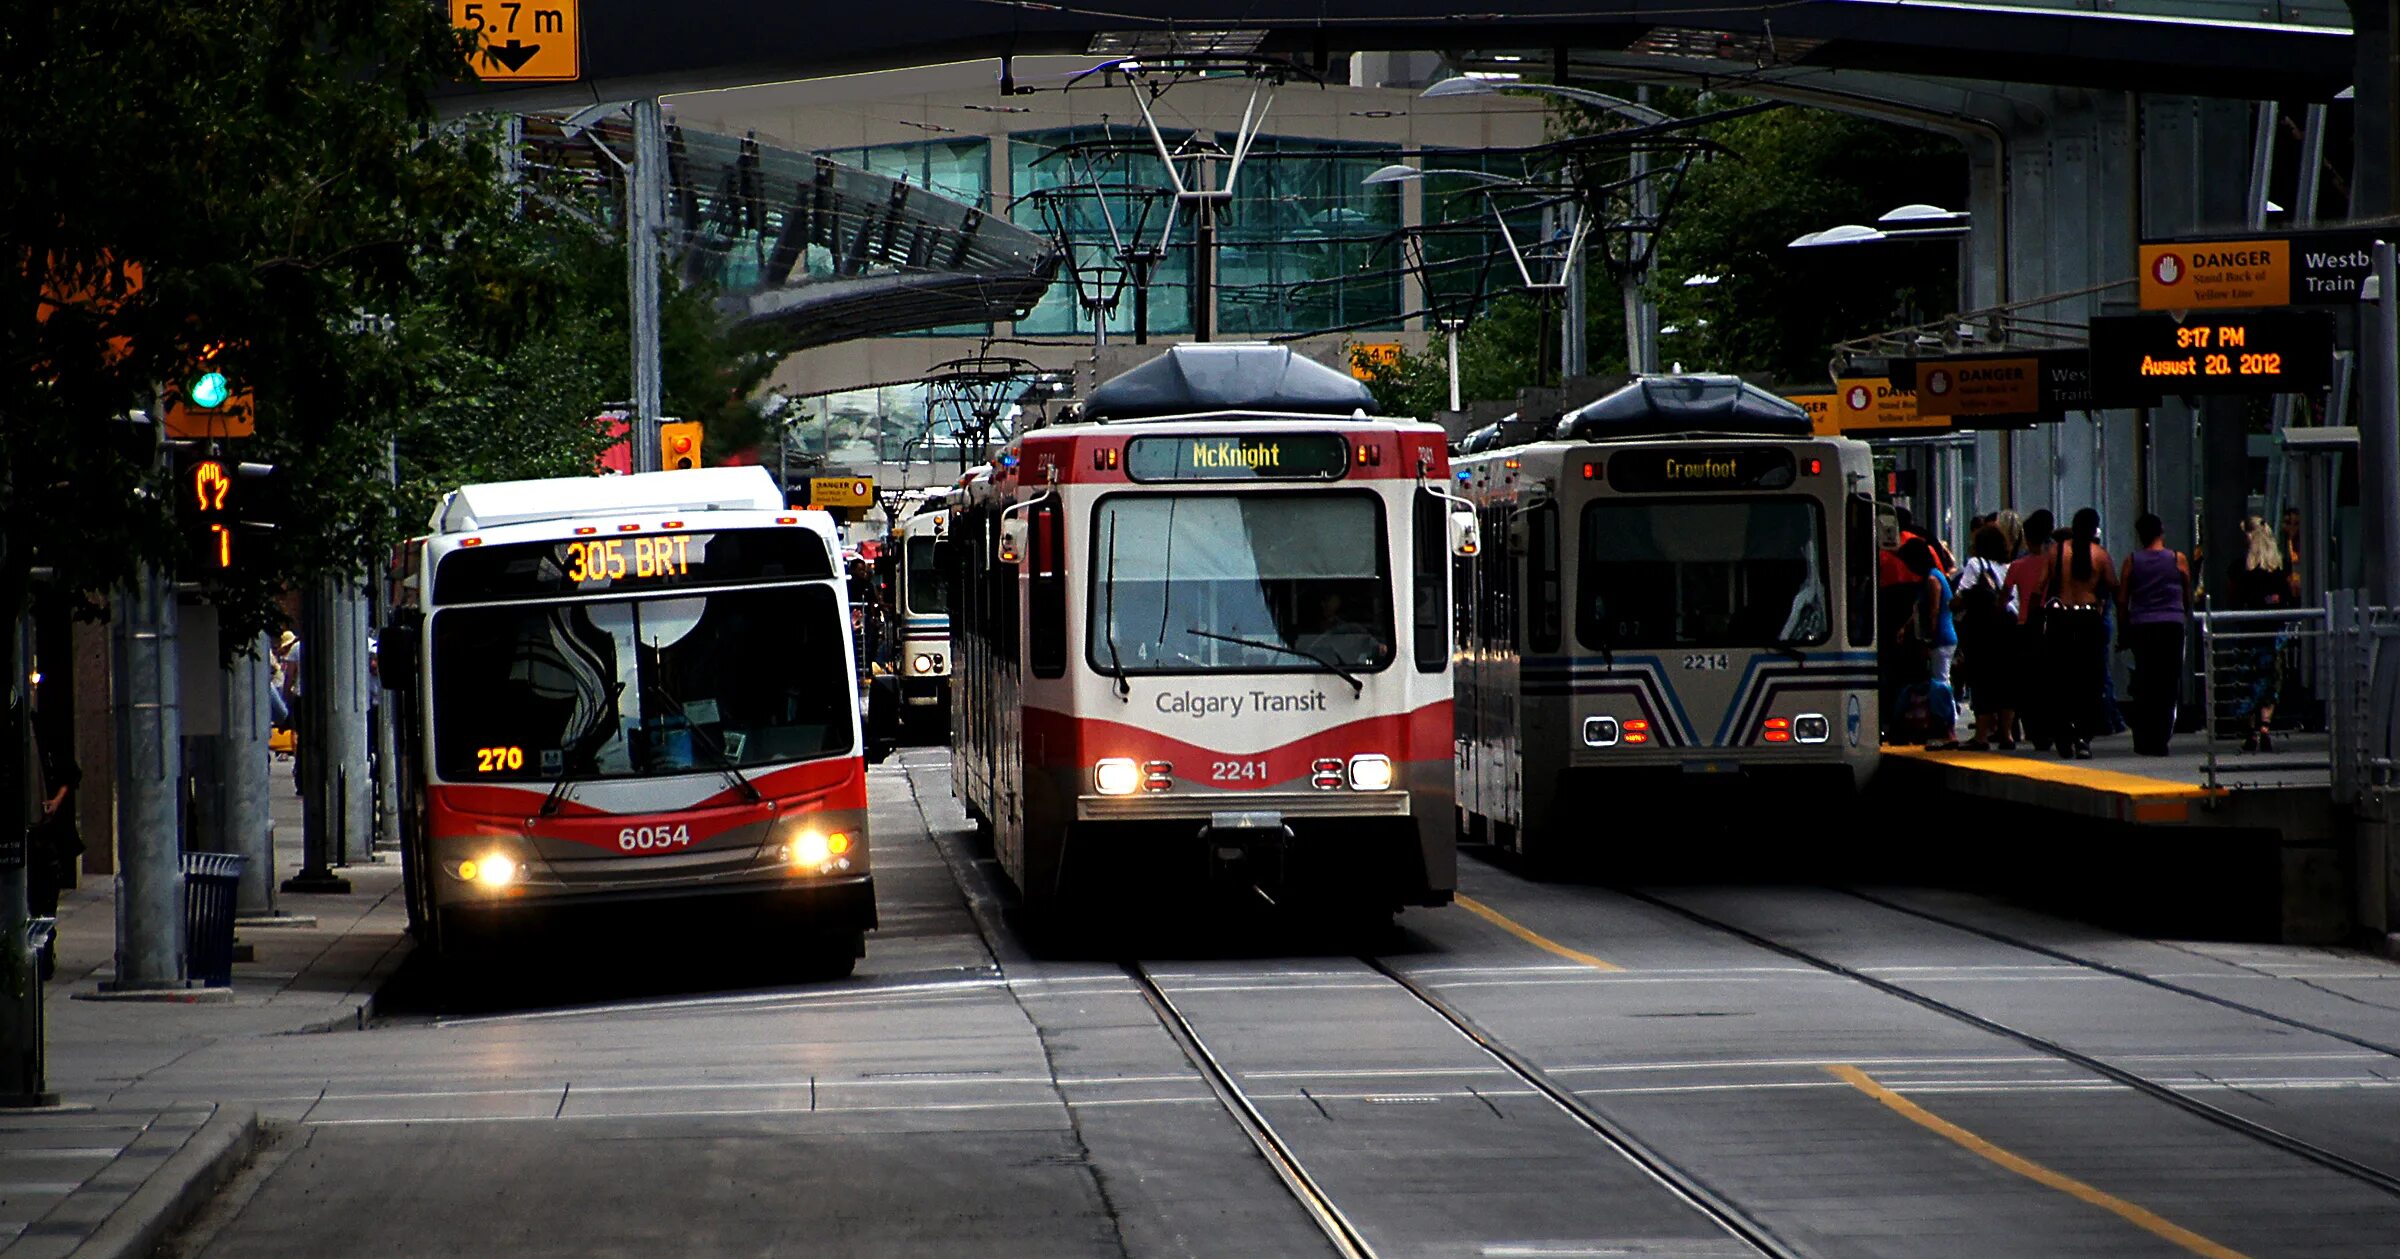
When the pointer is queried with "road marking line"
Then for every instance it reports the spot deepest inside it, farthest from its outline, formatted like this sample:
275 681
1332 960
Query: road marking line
1530 936
2140 1217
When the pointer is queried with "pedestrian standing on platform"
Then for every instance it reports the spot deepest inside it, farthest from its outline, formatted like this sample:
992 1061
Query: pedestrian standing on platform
2012 532
2028 586
54 844
2082 584
1986 613
2156 586
2262 581
1938 633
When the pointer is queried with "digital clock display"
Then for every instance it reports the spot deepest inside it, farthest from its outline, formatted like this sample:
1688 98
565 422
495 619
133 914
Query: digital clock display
2141 357
634 561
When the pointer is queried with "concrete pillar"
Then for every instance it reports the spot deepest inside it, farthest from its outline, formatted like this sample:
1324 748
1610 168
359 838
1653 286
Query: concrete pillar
248 776
149 771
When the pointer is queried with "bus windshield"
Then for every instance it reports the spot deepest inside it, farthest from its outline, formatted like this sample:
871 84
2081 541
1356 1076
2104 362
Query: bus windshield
634 688
1240 583
927 594
1702 573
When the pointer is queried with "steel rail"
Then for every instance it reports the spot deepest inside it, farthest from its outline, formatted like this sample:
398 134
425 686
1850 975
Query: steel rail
1677 1180
1346 1238
2312 1152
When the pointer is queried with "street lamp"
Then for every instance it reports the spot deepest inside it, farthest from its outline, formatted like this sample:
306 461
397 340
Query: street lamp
1468 85
1908 222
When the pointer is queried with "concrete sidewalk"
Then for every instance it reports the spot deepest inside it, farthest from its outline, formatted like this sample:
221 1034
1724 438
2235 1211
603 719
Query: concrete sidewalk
94 1178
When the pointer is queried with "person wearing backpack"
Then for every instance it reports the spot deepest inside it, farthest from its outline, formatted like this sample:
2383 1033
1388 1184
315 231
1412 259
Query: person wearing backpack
1985 609
2155 594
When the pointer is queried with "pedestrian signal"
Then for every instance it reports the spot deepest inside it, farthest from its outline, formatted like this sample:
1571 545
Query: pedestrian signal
678 444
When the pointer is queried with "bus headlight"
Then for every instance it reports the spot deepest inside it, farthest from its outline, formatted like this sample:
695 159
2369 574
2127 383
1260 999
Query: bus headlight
1371 772
813 851
1117 776
496 870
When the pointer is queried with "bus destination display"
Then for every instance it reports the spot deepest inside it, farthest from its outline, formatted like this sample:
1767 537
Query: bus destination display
1671 470
592 565
1246 457
2233 352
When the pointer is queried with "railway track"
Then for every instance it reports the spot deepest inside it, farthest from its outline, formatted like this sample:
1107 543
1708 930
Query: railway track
1347 1236
2297 1146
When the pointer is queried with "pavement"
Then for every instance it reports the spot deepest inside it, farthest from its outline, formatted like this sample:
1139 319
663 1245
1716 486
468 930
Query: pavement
104 1175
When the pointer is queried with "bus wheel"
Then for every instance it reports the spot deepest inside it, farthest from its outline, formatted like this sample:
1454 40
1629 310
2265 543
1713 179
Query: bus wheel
827 958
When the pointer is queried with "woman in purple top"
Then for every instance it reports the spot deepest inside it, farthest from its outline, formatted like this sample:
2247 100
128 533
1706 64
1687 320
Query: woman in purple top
2155 595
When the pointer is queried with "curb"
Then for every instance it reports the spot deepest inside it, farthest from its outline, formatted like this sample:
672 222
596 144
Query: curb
171 1194
357 1018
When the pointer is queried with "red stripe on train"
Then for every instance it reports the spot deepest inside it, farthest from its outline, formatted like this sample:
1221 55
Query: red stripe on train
1057 740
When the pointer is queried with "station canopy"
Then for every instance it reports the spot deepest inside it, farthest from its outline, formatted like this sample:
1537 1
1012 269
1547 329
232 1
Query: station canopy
1660 405
1190 379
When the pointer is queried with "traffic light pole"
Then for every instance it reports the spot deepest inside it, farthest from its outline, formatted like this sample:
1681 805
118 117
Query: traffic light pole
248 768
318 842
645 214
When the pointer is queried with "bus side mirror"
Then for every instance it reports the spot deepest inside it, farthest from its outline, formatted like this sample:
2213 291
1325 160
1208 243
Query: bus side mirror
396 655
1012 540
1463 542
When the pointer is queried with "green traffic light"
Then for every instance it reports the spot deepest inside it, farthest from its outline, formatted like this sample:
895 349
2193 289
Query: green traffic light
208 390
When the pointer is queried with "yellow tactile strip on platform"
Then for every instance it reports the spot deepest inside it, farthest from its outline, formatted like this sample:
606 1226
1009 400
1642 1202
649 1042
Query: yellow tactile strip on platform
2062 773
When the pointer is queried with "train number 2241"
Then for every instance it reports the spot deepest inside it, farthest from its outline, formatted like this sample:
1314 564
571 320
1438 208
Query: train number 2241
1237 771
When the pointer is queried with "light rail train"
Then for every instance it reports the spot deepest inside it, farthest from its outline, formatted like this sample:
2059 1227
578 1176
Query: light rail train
1675 594
1203 636
916 623
629 689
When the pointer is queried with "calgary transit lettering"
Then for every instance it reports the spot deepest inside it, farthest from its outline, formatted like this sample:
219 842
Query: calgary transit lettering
1193 704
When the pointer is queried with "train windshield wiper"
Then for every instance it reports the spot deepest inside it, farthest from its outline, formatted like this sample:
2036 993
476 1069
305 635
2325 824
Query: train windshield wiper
1789 648
1109 585
1357 688
716 750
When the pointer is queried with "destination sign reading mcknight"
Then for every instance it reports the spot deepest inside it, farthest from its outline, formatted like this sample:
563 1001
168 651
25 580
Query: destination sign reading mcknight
2232 352
1670 470
1238 457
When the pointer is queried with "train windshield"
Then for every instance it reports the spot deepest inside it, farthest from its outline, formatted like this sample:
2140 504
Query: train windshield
1240 583
633 688
927 595
1702 573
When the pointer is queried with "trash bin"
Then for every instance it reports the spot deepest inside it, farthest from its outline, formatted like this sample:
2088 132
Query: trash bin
211 883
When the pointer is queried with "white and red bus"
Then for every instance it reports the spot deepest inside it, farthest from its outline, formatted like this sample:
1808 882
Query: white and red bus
632 689
1203 635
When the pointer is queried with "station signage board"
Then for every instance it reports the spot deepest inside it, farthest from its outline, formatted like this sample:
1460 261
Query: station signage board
2260 270
1868 405
1820 412
2004 390
2138 358
841 491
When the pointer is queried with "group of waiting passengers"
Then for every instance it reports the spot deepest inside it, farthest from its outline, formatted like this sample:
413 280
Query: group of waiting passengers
2023 627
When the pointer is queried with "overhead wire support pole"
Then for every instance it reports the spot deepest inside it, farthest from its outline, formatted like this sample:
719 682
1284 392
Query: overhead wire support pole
645 213
146 690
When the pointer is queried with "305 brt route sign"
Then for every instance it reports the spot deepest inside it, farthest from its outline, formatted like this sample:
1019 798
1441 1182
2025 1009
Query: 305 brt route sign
523 41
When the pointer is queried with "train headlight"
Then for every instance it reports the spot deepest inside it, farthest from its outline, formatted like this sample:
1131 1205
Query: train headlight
922 664
1811 728
1117 776
1371 772
1600 732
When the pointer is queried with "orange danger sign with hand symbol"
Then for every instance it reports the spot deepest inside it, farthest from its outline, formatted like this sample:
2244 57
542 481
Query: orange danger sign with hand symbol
522 41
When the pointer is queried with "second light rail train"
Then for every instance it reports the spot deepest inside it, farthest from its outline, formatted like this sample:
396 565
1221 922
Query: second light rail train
1675 593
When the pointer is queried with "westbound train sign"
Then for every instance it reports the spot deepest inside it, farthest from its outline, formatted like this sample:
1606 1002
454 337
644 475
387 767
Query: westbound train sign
2291 269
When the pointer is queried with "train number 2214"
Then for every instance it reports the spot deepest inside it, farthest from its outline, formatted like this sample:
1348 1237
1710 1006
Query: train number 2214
1708 660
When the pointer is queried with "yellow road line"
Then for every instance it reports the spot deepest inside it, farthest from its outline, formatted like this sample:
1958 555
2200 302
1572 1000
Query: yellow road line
2139 1217
1530 936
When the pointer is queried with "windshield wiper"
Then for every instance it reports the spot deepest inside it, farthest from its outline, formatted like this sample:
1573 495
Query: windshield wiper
716 749
1789 648
1357 688
1116 662
578 749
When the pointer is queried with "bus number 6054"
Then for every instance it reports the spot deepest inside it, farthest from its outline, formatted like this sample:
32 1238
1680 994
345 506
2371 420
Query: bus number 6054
635 838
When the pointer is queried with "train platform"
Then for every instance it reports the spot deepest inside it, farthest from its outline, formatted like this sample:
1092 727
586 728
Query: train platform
2252 844
102 1176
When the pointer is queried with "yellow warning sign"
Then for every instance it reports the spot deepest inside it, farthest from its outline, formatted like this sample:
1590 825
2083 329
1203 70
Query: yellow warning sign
1873 404
1819 406
1366 356
2213 274
522 41
841 491
1979 386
